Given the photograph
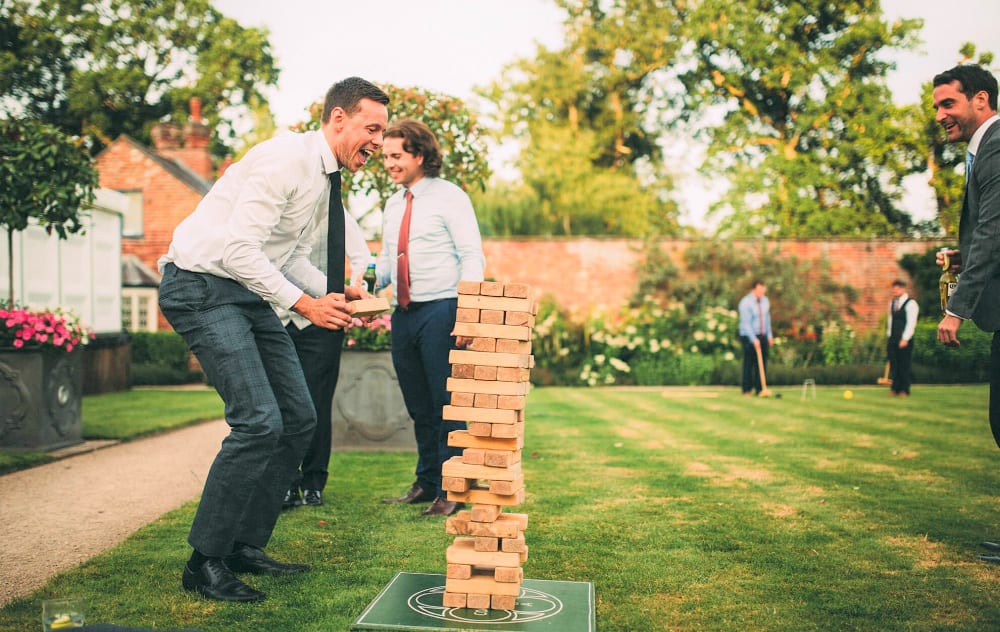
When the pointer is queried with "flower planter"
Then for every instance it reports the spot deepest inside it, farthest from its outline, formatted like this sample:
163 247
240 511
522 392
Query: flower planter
40 399
368 408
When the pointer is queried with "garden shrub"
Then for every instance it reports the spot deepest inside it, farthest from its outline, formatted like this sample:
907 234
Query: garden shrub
161 358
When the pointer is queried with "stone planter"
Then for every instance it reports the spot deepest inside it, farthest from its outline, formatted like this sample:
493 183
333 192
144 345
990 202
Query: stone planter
368 408
40 399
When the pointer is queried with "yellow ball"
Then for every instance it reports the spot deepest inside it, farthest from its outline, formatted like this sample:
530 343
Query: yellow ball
848 395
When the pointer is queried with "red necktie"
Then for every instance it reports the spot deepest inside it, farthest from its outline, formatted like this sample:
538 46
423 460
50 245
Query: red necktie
402 256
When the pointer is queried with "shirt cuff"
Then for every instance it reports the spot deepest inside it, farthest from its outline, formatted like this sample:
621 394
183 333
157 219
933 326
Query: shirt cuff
951 313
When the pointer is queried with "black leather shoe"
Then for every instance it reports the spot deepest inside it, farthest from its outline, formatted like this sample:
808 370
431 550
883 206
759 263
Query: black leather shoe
992 559
292 499
312 497
990 546
250 559
442 507
216 581
417 494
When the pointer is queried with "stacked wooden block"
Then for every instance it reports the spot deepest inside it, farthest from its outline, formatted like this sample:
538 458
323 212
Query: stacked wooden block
488 387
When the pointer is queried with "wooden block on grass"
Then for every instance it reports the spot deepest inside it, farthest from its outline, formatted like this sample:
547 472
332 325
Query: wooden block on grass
507 488
503 602
482 344
510 374
486 544
492 330
510 402
486 400
507 431
491 317
457 385
368 306
507 525
466 315
478 602
501 458
491 288
454 484
454 600
463 399
469 287
474 456
481 585
479 429
496 303
487 497
454 467
488 415
506 574
484 513
459 571
522 347
458 524
519 319
465 439
485 373
514 545
464 551
463 371
461 356
517 290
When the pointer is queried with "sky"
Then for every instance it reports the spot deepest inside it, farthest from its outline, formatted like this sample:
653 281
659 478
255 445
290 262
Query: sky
454 46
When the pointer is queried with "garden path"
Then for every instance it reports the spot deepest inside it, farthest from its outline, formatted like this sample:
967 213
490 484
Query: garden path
58 515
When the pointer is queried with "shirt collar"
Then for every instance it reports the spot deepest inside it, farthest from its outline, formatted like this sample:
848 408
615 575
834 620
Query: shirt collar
420 186
330 164
977 136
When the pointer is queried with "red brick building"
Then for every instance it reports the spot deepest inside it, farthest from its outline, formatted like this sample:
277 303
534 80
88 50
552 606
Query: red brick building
164 185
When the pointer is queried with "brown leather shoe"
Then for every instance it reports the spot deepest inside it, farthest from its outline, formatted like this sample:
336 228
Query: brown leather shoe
442 507
417 494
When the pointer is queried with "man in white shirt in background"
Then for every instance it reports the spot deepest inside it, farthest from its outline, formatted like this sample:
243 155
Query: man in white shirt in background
903 312
244 249
443 247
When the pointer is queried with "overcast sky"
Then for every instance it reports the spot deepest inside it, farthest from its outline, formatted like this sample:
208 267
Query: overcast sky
452 46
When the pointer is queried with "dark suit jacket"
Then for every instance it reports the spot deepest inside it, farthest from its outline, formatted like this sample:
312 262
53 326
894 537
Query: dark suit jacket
978 293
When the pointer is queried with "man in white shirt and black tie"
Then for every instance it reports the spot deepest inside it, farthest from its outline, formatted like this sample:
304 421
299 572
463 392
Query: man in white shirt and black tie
903 312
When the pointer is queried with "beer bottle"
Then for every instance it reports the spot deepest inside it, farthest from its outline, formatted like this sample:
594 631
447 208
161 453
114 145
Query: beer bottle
369 277
948 281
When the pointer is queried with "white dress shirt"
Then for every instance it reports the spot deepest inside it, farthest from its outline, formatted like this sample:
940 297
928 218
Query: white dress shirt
912 310
259 221
445 244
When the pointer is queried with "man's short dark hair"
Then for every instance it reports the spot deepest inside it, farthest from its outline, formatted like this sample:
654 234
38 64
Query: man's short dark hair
418 140
973 79
348 93
899 283
755 283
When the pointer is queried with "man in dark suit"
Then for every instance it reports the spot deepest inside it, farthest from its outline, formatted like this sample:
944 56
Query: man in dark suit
965 99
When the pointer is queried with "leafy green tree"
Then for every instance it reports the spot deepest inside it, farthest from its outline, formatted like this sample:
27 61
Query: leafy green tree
108 67
462 140
589 118
44 175
810 141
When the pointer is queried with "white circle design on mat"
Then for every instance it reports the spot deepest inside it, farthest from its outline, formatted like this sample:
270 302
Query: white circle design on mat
532 605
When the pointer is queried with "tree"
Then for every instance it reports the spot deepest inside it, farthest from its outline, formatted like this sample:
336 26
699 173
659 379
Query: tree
44 175
589 118
462 140
108 67
809 138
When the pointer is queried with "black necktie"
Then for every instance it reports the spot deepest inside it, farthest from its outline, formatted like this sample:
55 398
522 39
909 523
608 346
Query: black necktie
335 238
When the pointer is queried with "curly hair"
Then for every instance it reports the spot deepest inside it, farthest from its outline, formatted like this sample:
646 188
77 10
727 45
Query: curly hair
418 140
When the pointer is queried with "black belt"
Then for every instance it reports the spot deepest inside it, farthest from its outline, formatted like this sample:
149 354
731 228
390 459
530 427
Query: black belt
415 305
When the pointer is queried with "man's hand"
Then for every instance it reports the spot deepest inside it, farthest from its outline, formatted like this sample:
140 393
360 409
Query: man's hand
756 342
463 341
954 257
328 312
356 292
948 330
903 344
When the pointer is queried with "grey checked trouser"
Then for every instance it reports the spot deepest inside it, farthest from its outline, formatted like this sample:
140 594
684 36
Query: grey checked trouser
250 359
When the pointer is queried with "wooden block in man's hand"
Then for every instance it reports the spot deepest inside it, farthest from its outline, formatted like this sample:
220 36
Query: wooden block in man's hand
368 306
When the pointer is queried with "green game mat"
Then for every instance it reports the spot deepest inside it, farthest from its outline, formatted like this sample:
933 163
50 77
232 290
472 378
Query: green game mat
412 601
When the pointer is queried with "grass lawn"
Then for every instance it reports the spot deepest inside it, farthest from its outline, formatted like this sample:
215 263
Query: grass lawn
128 415
688 509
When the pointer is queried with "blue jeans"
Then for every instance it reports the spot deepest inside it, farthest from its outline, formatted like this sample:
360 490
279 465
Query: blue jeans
421 343
250 359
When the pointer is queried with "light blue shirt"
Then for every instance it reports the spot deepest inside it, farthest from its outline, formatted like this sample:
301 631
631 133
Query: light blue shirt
750 316
445 244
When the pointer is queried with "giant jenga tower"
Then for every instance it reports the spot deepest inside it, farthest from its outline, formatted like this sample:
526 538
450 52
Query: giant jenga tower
488 387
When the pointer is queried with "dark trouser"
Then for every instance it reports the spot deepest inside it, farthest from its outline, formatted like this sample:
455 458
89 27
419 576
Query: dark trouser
900 363
248 356
319 352
421 343
751 371
995 387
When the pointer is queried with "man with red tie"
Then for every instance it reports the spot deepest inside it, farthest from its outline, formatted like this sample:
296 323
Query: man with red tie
430 242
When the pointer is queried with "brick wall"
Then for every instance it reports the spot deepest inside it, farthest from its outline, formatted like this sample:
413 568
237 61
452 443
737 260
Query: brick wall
581 273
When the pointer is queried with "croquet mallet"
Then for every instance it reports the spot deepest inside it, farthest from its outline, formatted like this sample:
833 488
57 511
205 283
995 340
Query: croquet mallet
885 380
763 379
